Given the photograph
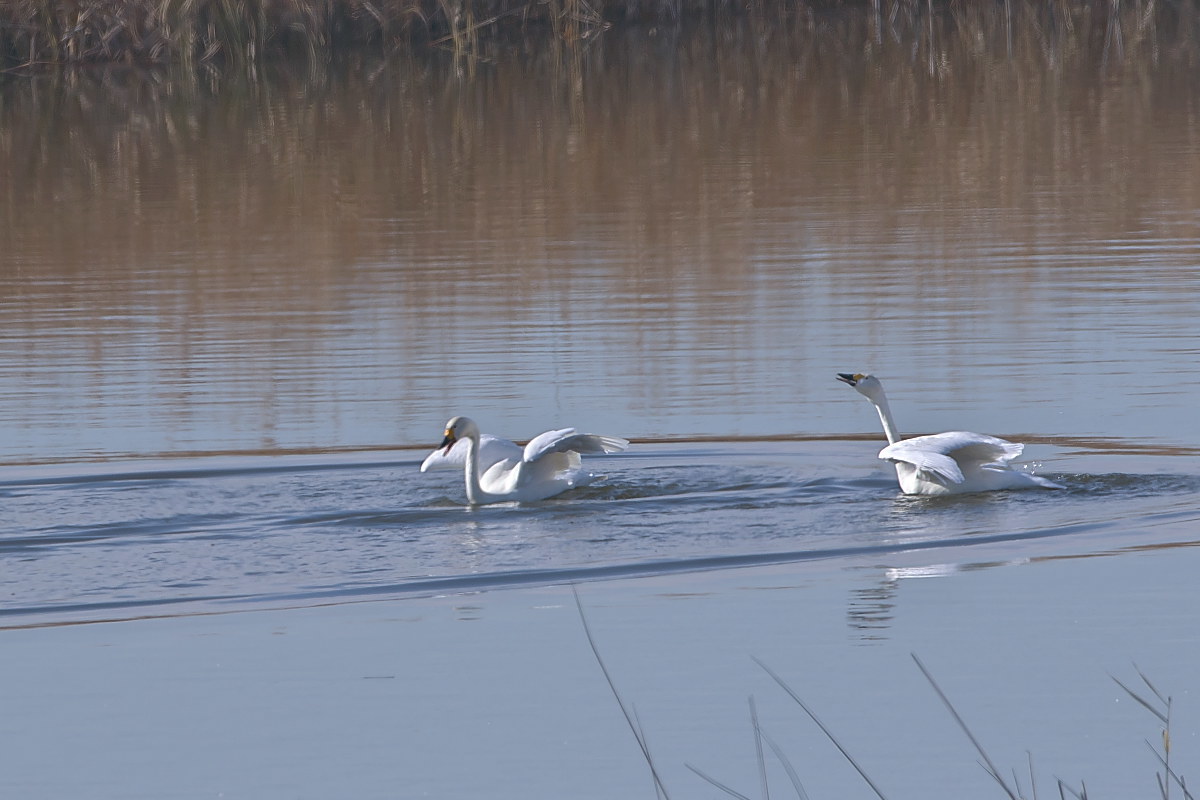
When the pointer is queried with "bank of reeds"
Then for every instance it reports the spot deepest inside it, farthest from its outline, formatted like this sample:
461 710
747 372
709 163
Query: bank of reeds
44 32
37 33
160 31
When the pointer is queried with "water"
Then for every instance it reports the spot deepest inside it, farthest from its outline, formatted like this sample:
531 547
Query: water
254 532
235 315
206 288
696 238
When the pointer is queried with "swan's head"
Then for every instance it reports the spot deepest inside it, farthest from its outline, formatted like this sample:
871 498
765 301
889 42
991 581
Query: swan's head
459 428
866 385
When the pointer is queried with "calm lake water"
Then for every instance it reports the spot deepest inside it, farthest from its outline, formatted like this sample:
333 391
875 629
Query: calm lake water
235 315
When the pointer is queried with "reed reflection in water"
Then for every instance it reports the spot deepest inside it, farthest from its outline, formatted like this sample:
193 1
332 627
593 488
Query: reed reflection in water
678 233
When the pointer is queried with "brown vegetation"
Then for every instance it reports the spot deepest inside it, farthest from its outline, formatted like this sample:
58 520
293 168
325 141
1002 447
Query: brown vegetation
36 32
48 32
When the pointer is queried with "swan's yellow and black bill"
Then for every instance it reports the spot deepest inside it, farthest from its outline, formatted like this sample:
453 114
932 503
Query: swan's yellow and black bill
449 441
846 377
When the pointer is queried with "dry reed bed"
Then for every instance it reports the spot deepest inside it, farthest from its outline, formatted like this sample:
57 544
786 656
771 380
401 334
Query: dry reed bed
37 33
244 31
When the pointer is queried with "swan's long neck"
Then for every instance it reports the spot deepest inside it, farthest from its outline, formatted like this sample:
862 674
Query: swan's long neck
474 491
885 416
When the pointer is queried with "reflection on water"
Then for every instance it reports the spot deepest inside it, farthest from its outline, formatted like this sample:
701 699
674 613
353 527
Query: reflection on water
683 232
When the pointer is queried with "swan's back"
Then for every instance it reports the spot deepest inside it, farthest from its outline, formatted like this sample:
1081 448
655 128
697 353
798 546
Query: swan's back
957 462
963 446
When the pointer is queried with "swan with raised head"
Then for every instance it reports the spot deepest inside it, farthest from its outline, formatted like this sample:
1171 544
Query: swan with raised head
497 470
956 462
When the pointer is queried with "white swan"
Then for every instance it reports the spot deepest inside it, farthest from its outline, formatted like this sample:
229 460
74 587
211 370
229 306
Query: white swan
497 470
946 463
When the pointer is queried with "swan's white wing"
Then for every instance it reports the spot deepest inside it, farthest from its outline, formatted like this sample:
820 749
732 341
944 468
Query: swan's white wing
492 450
568 440
944 454
964 446
929 461
980 448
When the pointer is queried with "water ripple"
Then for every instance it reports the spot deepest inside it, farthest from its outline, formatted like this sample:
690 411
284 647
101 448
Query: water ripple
203 537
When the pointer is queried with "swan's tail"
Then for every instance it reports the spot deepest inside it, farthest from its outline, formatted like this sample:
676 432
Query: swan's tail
1026 478
1009 478
1045 483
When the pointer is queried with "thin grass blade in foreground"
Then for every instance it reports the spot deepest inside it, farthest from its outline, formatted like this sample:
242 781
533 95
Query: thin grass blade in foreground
988 765
1063 789
727 790
1163 717
828 734
758 751
793 776
760 736
1163 713
630 716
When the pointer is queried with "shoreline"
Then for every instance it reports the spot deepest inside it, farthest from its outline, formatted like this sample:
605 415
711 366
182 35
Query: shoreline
37 35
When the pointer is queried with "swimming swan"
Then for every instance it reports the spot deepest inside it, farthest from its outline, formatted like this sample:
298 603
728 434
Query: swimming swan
498 470
946 463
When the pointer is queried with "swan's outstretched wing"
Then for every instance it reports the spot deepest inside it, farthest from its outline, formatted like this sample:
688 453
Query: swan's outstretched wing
550 464
568 440
942 453
938 466
492 450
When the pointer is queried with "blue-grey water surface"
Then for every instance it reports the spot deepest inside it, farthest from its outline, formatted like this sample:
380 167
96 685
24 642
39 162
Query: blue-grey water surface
227 533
